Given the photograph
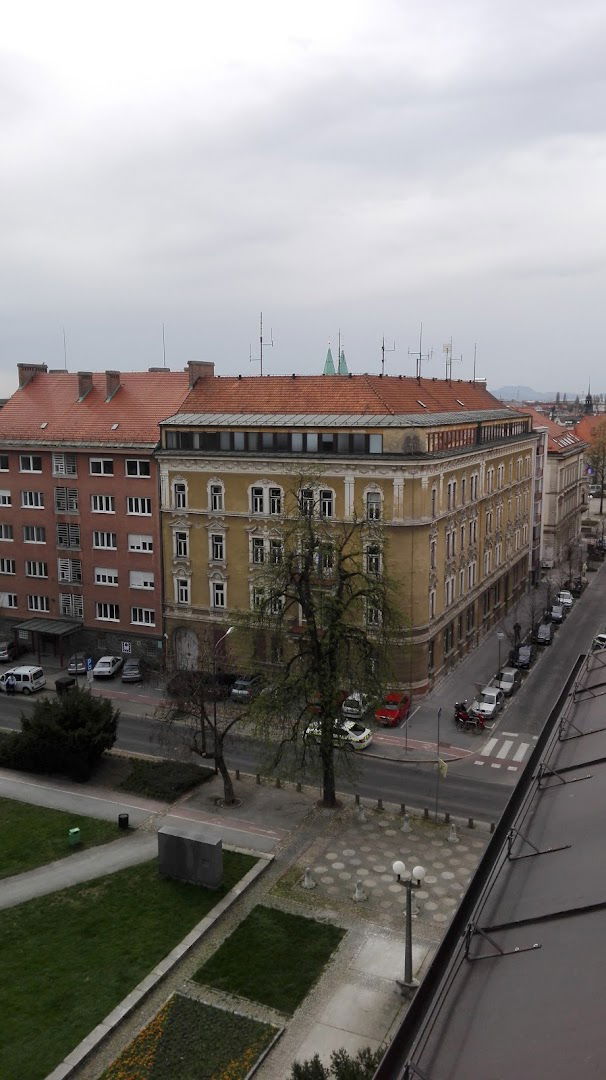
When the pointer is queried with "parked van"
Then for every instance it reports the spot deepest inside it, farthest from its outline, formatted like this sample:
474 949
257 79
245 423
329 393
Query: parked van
27 679
545 634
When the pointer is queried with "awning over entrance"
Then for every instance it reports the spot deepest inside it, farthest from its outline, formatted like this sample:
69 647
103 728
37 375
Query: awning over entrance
53 627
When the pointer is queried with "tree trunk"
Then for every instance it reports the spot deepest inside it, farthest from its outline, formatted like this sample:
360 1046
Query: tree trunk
329 791
229 797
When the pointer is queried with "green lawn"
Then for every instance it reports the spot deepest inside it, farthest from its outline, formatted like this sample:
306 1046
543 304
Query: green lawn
34 835
188 1040
165 780
69 958
272 957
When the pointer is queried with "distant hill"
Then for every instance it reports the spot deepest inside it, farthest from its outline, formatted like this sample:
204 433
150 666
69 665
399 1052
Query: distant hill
526 393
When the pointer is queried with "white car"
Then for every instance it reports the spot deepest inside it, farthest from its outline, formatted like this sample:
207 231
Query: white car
346 733
488 702
356 706
599 642
507 680
565 598
107 667
26 679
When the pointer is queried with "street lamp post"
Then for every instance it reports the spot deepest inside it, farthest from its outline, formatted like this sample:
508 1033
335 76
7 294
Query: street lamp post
413 882
230 630
500 637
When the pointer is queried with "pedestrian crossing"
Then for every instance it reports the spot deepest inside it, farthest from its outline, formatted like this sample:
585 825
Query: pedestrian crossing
507 751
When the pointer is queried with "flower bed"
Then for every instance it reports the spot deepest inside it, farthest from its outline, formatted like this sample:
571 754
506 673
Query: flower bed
192 1041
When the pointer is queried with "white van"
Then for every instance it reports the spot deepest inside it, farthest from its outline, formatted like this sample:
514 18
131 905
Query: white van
27 679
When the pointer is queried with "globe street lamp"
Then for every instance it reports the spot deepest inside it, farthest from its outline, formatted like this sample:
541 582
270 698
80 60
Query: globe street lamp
230 630
413 882
500 637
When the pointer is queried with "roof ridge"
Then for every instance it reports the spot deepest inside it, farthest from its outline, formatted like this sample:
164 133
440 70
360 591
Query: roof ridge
388 408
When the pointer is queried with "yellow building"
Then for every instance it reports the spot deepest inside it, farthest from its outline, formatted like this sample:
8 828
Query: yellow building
444 466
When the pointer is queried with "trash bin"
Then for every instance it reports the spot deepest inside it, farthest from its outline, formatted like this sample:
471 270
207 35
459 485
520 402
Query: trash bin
63 683
123 821
74 837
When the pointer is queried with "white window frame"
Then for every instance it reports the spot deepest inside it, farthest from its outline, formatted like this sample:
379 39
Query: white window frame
257 550
374 559
216 497
6 531
102 470
106 612
137 474
142 543
29 458
72 532
103 504
217 547
34 568
326 503
42 528
5 498
141 579
71 604
181 543
65 465
32 500
105 575
180 495
8 566
140 616
218 595
102 546
11 598
374 505
38 603
138 506
66 500
69 571
183 591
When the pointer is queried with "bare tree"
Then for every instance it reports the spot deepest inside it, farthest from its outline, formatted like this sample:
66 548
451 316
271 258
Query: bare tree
324 593
191 722
596 457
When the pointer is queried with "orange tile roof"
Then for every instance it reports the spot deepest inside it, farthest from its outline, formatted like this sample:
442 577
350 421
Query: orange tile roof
51 398
559 439
336 394
588 424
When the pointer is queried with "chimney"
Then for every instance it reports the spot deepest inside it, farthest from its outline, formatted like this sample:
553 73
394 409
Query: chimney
28 371
167 369
199 369
112 384
85 384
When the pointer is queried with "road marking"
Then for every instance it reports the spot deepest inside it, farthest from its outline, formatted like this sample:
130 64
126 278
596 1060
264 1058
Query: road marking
510 734
520 752
479 762
506 747
494 765
512 768
487 749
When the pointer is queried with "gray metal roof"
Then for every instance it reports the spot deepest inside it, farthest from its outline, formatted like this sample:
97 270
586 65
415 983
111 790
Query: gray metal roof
517 986
338 420
54 627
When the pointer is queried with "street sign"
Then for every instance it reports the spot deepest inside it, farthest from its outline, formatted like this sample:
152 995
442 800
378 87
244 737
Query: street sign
126 646
89 663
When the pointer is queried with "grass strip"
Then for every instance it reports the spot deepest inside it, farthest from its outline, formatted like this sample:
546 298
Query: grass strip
164 780
192 1041
69 958
272 957
35 835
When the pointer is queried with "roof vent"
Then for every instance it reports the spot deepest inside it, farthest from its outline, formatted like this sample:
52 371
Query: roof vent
44 425
421 403
115 427
239 376
293 376
461 403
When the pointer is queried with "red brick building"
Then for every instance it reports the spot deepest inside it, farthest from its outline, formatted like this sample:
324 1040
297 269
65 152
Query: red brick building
80 546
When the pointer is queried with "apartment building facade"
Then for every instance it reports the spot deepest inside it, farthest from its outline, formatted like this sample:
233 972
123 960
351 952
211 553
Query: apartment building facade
80 551
443 467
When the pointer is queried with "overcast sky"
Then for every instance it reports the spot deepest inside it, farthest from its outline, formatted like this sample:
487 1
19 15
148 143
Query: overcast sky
359 166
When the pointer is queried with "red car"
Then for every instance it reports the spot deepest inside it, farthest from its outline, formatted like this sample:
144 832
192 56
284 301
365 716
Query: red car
394 710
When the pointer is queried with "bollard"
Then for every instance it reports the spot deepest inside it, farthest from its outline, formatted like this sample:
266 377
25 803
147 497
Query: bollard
123 821
447 818
402 808
362 816
471 823
452 835
405 824
426 814
359 894
357 800
298 785
74 837
258 778
307 881
278 784
237 774
379 804
492 826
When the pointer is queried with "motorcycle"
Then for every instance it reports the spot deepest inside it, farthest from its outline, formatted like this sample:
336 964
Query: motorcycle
466 719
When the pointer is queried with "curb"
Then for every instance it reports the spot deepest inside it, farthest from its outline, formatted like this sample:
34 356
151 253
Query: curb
132 1000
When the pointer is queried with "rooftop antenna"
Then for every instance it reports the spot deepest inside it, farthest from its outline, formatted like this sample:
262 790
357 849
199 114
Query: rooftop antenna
475 352
448 359
383 351
419 358
259 359
64 348
163 347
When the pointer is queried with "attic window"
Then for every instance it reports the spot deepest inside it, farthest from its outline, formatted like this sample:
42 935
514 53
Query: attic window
44 425
422 403
461 403
115 427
